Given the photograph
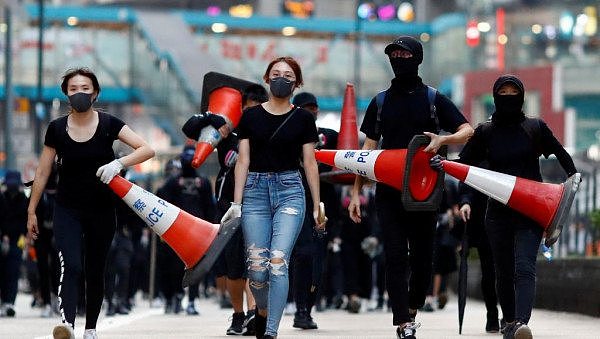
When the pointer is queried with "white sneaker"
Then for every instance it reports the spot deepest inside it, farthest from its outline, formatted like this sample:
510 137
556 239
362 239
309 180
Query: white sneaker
90 334
63 331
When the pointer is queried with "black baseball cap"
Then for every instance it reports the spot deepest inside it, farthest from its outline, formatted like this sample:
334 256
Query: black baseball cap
508 78
408 43
304 98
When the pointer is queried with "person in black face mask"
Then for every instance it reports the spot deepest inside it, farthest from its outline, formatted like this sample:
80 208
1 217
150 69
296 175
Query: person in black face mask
405 111
511 143
84 211
274 138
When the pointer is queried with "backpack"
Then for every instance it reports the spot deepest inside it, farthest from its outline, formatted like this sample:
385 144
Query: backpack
431 94
531 126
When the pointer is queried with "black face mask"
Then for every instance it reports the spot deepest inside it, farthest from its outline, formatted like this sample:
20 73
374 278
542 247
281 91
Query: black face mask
509 108
81 102
281 87
404 67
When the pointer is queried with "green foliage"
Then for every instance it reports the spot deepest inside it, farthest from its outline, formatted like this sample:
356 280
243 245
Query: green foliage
595 218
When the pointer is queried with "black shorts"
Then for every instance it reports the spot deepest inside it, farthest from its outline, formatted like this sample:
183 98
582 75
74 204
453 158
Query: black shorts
232 261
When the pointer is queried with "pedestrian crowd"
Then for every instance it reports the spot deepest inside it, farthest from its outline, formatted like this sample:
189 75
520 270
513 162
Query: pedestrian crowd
79 247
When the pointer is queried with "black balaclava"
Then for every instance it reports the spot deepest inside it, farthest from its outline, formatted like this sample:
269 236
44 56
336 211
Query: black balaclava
406 68
509 108
186 157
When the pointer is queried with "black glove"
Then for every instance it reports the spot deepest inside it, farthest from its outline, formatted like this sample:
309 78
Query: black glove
216 120
436 162
194 125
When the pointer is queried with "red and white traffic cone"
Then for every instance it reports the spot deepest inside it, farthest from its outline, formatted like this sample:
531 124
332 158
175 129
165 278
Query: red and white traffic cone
226 102
197 242
406 170
347 138
547 204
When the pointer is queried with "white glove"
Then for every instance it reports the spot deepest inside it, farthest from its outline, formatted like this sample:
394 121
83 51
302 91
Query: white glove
235 211
108 171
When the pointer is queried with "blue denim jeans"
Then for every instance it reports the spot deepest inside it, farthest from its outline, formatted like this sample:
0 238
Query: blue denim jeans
272 216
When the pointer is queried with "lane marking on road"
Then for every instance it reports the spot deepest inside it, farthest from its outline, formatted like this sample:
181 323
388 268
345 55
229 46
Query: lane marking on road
108 323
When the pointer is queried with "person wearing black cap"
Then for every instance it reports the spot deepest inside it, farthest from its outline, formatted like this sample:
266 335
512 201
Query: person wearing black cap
309 250
511 143
406 111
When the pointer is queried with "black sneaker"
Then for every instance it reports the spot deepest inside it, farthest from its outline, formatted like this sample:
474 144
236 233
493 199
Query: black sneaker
191 309
260 324
427 308
249 323
492 325
237 324
354 305
409 331
522 331
303 320
442 300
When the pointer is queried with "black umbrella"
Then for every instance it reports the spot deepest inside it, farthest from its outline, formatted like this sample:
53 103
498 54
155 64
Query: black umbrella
462 279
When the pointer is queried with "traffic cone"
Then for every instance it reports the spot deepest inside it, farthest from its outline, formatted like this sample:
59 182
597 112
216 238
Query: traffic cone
197 242
226 102
347 138
221 94
547 204
406 170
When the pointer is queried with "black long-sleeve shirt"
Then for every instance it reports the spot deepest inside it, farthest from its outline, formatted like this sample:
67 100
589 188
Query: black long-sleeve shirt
511 150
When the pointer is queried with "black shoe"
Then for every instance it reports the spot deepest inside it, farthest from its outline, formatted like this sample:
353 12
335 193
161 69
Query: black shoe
492 325
442 300
503 325
237 324
10 311
303 320
354 305
509 330
249 323
121 309
408 332
260 324
191 310
427 308
111 310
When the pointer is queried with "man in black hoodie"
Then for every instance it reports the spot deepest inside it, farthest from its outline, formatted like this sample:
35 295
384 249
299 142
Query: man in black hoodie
13 225
406 111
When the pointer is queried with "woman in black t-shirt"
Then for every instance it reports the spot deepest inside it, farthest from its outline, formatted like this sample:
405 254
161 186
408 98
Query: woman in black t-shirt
274 137
84 215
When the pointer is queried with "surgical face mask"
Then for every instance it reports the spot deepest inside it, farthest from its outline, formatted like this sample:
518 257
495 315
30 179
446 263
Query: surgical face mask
81 102
281 87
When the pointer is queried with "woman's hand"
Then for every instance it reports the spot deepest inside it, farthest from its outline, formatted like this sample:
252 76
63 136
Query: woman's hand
107 172
32 226
235 211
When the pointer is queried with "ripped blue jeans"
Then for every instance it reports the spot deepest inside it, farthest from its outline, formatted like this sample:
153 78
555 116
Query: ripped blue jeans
272 216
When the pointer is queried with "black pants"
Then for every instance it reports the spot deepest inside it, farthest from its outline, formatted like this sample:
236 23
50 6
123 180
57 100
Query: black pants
488 276
403 230
47 262
170 270
92 230
307 265
358 277
10 264
515 240
117 273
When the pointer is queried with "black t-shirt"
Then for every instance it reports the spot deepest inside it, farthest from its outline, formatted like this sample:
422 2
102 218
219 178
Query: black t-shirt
283 151
405 114
78 186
